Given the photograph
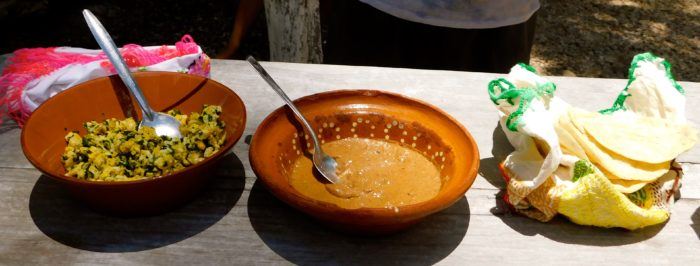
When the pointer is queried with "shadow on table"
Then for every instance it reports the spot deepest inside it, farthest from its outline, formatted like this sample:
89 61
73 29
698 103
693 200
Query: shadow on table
65 220
301 240
488 167
7 124
696 222
564 231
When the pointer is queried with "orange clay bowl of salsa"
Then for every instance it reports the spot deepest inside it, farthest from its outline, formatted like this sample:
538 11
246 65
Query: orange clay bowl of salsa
43 135
400 159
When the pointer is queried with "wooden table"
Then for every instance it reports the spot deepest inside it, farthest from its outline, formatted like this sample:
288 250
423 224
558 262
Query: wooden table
236 221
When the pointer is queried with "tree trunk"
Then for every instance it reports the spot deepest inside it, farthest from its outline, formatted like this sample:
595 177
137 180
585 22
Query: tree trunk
294 30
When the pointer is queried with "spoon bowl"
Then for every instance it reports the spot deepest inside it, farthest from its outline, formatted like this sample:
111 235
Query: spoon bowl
163 124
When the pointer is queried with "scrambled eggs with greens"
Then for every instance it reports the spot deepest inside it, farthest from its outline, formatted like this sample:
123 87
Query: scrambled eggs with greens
118 150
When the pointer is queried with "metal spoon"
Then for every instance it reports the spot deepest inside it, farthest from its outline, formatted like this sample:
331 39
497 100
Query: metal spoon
325 164
164 124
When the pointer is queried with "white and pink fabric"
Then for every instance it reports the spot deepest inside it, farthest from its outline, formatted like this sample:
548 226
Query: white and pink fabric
33 75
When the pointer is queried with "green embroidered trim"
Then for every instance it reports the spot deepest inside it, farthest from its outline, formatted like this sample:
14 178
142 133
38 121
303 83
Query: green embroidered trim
581 168
619 102
528 67
509 92
669 75
500 82
638 197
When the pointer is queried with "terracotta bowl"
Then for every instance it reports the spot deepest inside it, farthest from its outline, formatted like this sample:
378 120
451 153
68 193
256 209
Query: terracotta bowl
365 114
43 137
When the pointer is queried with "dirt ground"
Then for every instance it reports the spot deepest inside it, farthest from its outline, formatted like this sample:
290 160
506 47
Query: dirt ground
587 38
598 38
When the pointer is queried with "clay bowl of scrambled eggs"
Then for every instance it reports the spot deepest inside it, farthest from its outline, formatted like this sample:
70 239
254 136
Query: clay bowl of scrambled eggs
399 159
87 139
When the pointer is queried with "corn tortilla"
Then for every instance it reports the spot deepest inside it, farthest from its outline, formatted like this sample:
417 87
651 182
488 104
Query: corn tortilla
646 139
617 165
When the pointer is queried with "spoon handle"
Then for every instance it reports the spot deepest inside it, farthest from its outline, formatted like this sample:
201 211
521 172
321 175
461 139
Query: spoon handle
286 99
110 49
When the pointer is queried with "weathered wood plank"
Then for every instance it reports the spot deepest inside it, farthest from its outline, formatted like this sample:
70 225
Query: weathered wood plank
236 221
461 94
11 149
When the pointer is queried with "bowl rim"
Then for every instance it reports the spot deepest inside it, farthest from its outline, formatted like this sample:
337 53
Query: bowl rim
416 210
238 133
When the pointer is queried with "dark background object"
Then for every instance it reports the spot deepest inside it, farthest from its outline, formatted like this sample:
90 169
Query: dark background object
380 39
600 43
47 23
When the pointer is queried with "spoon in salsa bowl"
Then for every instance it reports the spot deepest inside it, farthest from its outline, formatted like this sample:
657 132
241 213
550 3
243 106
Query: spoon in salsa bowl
324 163
163 124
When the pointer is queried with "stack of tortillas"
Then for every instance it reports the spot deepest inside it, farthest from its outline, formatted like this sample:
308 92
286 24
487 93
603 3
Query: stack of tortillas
631 151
